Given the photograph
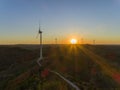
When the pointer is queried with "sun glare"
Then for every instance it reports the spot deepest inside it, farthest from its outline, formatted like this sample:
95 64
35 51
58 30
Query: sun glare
73 41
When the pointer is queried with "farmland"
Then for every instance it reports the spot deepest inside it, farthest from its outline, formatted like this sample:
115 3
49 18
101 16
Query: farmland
88 66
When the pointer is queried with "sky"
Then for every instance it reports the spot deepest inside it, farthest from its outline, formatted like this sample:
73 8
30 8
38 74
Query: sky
62 19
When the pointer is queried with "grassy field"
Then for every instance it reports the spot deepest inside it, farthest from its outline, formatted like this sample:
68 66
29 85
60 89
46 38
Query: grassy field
90 67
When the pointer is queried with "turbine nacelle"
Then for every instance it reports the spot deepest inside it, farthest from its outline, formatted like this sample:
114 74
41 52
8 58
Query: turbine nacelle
40 31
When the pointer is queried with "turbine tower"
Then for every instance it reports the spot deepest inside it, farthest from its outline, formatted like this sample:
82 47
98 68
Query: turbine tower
41 57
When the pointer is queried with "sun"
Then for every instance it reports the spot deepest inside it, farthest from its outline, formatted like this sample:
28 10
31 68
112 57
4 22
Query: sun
73 41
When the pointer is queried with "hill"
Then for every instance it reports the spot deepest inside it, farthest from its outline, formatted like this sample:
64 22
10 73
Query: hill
72 61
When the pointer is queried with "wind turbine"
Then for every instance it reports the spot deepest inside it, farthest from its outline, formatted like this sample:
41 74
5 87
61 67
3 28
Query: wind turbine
93 42
82 41
41 57
56 41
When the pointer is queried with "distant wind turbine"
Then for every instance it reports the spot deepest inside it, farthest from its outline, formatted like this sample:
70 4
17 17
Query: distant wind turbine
93 42
82 41
56 41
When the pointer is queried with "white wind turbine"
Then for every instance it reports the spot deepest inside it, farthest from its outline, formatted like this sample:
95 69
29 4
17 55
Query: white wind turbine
41 57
